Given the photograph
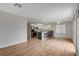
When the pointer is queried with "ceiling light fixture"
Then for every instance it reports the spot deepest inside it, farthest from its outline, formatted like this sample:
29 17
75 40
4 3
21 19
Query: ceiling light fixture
58 22
17 5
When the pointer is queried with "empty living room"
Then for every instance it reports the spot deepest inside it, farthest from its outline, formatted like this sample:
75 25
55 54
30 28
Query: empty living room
39 29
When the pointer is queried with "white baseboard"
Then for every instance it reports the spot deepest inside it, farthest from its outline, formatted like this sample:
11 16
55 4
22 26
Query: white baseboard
13 43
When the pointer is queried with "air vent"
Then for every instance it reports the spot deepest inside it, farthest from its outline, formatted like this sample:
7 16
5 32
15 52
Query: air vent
17 5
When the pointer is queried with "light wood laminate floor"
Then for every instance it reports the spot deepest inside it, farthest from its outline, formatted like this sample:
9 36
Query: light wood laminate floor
35 47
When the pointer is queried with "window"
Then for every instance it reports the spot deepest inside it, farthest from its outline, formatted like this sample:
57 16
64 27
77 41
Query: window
63 29
60 29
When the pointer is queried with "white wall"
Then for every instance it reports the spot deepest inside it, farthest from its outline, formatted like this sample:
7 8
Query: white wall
75 26
68 33
74 32
13 29
28 31
78 33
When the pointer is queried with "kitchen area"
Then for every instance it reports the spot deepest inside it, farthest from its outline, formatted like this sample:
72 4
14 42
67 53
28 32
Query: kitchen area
41 31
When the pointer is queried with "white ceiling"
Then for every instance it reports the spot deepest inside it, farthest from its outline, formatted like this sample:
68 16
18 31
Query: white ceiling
42 12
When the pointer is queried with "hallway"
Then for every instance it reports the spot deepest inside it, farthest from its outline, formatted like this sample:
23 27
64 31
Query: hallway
35 47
